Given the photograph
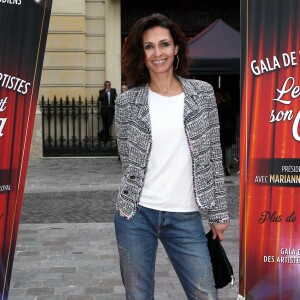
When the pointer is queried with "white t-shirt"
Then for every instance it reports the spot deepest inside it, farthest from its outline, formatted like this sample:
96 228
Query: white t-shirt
169 182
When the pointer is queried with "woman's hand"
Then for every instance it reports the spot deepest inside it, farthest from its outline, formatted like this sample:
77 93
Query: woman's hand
218 230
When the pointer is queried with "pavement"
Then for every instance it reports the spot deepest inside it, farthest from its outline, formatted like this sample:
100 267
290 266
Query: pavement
66 247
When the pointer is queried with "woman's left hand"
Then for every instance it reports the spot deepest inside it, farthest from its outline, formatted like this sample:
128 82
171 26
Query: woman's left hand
218 230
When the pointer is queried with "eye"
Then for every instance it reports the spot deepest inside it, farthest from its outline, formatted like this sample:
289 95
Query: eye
165 44
148 46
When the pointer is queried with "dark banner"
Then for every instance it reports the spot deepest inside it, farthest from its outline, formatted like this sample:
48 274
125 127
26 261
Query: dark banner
23 33
270 150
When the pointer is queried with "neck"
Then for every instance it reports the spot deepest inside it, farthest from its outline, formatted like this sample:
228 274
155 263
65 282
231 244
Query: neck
167 86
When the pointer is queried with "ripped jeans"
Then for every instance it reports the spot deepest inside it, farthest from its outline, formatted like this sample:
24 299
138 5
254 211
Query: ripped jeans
183 238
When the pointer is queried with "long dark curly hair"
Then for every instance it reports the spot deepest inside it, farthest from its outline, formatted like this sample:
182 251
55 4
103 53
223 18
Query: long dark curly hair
133 55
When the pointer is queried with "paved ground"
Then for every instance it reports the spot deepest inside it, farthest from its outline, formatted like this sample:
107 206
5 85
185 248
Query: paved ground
66 247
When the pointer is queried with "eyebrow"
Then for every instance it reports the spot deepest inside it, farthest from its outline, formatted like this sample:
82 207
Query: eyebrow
164 40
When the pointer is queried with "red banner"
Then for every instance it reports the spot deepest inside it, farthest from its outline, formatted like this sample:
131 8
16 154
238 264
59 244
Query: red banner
270 150
23 34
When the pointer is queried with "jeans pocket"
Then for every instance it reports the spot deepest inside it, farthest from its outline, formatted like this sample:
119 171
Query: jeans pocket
189 215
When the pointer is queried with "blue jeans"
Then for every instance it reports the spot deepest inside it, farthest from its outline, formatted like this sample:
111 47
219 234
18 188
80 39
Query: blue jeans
183 238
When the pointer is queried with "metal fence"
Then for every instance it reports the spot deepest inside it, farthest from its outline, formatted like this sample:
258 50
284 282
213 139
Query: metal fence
70 128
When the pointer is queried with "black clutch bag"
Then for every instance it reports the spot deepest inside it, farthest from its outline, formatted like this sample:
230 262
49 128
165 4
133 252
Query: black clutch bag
222 269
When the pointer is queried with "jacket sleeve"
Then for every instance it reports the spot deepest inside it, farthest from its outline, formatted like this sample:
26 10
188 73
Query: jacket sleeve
218 213
122 127
114 96
101 95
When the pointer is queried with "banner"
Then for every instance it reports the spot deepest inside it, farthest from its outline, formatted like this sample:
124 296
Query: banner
270 150
23 34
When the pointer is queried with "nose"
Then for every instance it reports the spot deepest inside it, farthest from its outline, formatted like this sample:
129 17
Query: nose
157 50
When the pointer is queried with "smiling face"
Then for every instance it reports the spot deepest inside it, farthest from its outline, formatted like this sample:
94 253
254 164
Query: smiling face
159 50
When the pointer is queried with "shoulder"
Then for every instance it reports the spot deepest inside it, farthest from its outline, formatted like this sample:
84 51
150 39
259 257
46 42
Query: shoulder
129 96
200 85
196 86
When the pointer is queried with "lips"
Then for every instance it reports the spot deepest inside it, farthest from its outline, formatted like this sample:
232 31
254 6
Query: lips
159 62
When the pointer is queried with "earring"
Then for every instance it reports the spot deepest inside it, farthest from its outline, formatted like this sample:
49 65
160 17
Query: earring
177 62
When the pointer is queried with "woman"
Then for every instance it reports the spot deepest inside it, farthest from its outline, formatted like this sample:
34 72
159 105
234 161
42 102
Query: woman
168 139
124 88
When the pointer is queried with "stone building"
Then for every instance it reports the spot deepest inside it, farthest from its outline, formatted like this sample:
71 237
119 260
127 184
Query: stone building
83 50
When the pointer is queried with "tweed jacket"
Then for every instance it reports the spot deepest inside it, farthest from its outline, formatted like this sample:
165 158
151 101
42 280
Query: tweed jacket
201 126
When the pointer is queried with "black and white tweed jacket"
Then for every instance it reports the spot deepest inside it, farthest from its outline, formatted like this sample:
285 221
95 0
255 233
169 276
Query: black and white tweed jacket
201 123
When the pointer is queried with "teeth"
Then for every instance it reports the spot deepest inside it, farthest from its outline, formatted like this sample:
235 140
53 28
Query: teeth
158 62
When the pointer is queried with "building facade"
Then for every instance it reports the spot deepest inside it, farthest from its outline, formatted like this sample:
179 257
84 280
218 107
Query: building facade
83 50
